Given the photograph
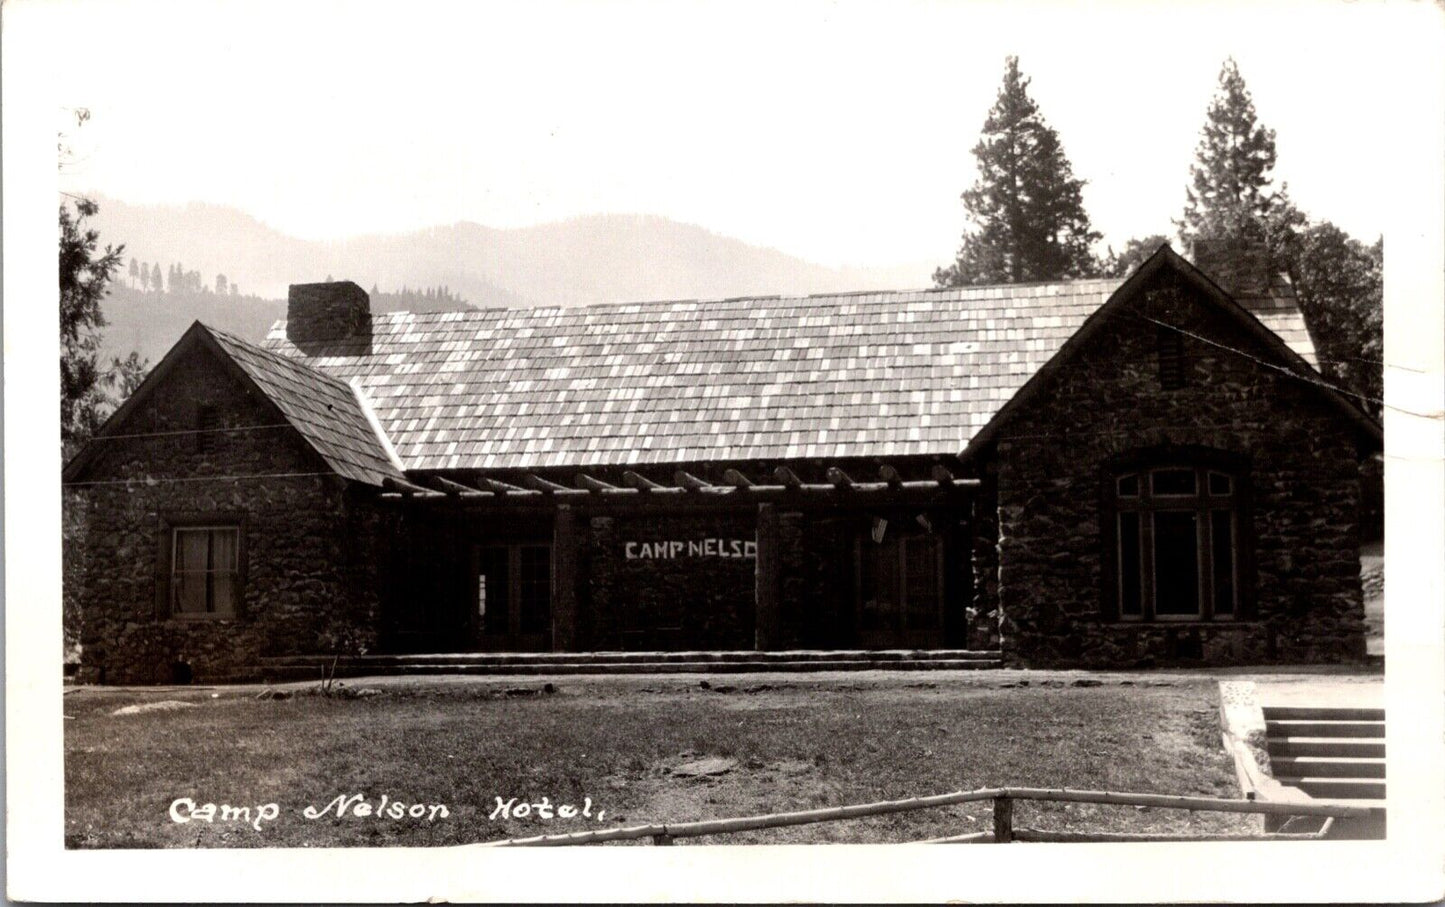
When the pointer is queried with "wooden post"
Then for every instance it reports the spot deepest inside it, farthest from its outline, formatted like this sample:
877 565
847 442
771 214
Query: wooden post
1003 820
564 580
767 574
662 840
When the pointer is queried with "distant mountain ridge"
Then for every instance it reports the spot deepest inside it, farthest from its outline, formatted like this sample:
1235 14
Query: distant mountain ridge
592 259
596 258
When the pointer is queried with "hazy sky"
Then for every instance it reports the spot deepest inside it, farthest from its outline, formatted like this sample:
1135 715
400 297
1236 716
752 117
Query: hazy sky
840 132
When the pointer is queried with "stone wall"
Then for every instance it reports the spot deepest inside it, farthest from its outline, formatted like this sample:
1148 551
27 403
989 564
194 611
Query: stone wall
307 547
1303 520
688 583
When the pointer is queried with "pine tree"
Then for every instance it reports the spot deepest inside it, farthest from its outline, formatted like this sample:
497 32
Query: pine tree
1135 252
1026 210
85 276
1231 198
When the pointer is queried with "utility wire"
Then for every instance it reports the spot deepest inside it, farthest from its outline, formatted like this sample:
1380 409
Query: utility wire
190 431
232 478
1278 368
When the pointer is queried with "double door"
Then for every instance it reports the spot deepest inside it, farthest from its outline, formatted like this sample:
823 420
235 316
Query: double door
512 597
901 586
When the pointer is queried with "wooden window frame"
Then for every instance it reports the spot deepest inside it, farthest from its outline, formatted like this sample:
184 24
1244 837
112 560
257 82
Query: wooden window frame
171 524
1203 503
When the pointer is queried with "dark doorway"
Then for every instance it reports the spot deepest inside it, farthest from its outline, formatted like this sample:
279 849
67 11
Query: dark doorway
512 593
900 582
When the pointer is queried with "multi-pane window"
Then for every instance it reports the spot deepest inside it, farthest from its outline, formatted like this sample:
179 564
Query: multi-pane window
514 589
1176 536
205 571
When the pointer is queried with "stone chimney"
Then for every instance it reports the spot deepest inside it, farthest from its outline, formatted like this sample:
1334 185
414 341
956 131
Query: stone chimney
327 312
1240 267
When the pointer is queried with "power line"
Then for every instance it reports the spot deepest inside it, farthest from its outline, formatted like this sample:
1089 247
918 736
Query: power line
1276 367
190 431
194 478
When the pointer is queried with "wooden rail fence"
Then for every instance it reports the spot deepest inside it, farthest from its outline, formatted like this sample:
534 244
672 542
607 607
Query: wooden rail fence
1003 827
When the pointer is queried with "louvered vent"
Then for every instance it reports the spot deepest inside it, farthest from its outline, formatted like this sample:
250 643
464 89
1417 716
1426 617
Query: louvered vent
1170 346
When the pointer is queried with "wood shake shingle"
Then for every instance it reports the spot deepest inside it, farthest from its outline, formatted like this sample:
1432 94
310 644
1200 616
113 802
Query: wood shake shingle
870 374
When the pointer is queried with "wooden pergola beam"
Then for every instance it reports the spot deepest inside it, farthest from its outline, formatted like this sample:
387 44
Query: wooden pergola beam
736 479
592 483
787 477
641 482
405 487
537 483
890 475
500 487
689 481
839 478
457 489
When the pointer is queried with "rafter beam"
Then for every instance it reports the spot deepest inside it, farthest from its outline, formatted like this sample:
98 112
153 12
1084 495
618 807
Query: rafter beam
457 489
736 479
941 475
592 483
839 478
641 482
689 481
787 477
500 487
405 487
890 475
537 483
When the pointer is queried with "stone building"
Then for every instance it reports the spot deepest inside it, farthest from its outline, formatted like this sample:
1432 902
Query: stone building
1098 472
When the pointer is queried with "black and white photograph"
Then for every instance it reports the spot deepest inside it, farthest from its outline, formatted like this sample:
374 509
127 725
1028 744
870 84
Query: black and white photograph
491 435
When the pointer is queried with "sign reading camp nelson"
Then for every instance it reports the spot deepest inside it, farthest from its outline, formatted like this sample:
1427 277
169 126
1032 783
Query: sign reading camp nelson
676 548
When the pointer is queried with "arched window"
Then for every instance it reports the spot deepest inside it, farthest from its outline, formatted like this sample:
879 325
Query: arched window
1178 548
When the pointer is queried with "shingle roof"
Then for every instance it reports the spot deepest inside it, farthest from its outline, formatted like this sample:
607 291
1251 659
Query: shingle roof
322 407
1282 315
871 374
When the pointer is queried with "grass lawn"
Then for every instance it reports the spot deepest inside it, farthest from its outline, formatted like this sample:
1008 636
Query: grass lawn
797 742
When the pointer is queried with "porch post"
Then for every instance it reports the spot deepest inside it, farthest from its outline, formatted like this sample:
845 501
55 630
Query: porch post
564 580
767 579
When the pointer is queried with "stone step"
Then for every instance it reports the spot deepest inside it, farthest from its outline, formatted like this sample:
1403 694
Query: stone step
1324 746
1326 767
1326 713
716 657
290 672
1355 729
1337 788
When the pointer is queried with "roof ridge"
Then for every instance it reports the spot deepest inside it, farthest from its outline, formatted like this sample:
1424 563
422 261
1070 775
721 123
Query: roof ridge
274 356
763 297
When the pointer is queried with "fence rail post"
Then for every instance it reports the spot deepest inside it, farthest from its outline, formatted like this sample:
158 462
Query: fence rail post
1003 820
662 840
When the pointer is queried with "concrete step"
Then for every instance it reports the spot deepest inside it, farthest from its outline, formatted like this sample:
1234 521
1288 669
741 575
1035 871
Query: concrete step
1325 713
1337 788
743 656
1374 730
1326 767
291 672
1325 746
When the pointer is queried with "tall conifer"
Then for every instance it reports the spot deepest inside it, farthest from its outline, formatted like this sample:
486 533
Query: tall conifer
1231 197
1026 212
